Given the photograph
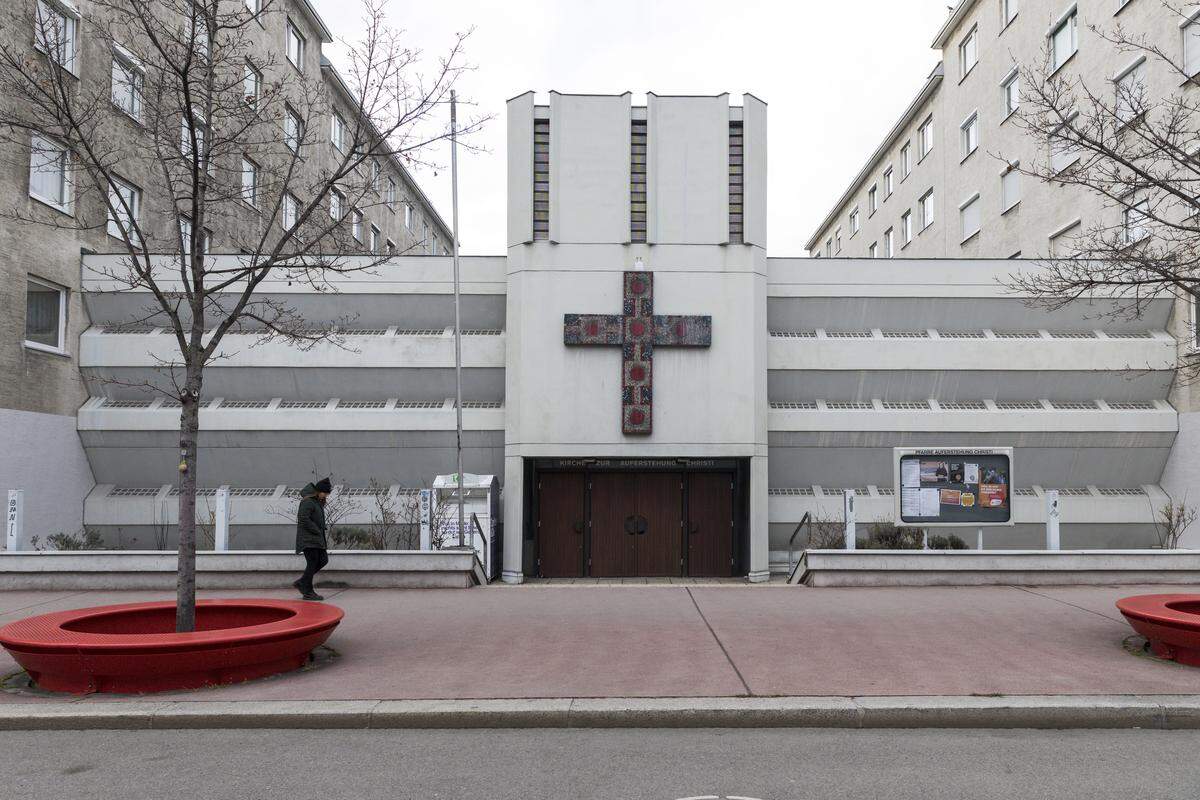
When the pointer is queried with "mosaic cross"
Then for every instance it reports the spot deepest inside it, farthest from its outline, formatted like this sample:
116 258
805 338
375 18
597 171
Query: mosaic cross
637 330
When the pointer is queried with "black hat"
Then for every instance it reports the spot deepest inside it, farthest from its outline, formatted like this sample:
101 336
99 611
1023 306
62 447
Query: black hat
324 485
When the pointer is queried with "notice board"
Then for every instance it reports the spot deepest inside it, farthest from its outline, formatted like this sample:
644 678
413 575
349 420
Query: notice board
953 486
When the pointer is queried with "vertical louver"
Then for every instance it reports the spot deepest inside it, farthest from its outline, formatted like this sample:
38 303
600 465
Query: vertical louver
637 180
735 182
541 179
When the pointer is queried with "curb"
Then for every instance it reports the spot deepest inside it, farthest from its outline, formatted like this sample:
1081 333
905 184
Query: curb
1163 712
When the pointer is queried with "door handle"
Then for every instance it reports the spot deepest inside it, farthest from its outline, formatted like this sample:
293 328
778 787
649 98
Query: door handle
642 526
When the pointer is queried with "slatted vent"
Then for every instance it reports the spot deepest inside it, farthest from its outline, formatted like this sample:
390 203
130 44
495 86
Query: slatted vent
110 403
803 491
637 180
796 405
794 334
1123 492
134 491
906 405
736 173
541 179
252 491
304 404
359 404
1019 405
1130 335
256 404
906 334
961 335
1131 405
963 405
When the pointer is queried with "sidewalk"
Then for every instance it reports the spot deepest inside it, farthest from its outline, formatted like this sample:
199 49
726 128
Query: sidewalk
726 641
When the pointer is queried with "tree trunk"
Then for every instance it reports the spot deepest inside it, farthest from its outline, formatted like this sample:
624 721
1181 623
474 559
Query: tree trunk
189 427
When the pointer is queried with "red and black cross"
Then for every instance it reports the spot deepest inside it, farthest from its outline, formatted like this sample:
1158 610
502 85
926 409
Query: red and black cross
638 330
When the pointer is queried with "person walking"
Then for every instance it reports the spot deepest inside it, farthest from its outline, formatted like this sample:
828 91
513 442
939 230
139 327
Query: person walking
310 535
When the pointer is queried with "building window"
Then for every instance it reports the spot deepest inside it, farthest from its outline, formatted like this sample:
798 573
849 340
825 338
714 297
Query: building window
968 53
128 80
905 160
390 195
1064 39
337 131
356 220
1011 89
906 232
251 84
57 33
1130 92
408 216
541 184
1063 151
193 137
50 173
970 134
829 248
433 246
1062 241
336 204
291 208
200 33
376 173
969 216
185 237
888 183
253 6
425 236
391 247
927 209
1137 217
1191 45
295 46
888 250
45 316
1008 11
1010 187
854 221
125 200
873 250
375 238
925 136
293 129
250 182
837 241
872 200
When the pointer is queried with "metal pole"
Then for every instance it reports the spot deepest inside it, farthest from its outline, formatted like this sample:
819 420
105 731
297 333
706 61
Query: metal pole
457 319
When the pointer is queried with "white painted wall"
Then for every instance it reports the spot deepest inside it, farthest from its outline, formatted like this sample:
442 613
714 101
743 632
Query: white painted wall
41 454
687 169
589 163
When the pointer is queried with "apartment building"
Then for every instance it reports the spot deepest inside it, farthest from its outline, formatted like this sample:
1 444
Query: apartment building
43 315
942 183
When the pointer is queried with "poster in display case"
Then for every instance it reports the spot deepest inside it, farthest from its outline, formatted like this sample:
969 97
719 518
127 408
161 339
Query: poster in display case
953 486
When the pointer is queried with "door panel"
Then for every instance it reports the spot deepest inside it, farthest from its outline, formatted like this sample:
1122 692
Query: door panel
561 519
710 525
660 508
613 502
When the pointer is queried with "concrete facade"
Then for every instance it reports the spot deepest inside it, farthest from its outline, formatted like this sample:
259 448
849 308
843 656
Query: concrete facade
49 383
1043 216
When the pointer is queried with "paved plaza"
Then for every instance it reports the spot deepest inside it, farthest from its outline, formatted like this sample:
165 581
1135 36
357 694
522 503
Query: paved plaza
717 640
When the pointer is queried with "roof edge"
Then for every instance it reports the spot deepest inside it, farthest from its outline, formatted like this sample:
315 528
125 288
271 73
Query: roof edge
951 24
931 84
307 7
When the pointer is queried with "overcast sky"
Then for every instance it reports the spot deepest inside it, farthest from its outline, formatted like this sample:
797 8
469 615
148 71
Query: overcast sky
836 76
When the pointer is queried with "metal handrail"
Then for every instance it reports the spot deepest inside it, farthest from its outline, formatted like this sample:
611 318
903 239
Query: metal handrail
805 520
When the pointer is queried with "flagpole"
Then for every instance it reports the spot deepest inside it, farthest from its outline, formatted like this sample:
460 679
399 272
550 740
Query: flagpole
457 317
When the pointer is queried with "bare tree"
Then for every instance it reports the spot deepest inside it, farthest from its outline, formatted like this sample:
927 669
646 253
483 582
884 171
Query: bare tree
1171 521
220 132
1137 154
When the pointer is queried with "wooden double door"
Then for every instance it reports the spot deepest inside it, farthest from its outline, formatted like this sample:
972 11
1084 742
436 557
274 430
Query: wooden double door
635 524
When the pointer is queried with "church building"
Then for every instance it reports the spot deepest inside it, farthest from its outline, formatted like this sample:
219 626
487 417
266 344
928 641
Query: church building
657 396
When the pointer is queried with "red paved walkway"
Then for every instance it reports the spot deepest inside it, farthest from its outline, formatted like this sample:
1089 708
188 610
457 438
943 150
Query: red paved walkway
654 641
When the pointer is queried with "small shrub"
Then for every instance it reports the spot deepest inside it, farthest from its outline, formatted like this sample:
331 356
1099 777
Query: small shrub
886 536
85 539
951 542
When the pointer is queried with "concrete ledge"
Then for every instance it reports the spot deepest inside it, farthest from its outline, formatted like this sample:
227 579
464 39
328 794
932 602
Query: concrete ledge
239 569
997 567
1164 712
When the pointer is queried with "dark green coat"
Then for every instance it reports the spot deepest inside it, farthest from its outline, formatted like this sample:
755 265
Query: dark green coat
310 521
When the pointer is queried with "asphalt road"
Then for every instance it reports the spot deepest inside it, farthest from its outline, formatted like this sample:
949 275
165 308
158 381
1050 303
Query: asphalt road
626 764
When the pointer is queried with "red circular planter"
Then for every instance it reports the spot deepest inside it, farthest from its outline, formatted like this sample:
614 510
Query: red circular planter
134 648
1171 622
